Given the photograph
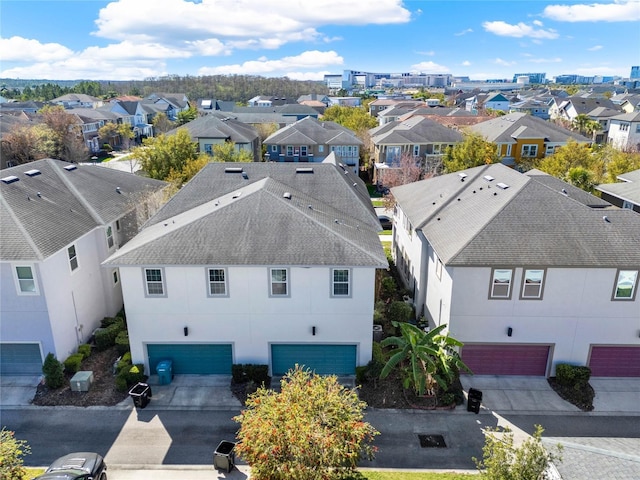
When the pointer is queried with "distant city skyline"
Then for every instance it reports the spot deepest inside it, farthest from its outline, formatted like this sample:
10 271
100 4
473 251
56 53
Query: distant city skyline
137 39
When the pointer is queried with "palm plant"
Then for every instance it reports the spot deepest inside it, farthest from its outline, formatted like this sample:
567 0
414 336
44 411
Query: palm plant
585 125
429 358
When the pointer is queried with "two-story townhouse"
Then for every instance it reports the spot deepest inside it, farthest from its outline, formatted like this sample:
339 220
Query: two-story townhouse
136 116
625 193
77 100
91 120
537 108
418 136
521 137
496 101
624 131
216 128
311 140
59 222
525 269
168 103
569 108
266 263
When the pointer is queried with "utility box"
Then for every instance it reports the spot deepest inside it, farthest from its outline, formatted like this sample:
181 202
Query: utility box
164 369
377 333
81 381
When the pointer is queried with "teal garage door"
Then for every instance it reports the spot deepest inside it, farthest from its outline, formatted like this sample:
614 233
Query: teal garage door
20 359
322 359
192 359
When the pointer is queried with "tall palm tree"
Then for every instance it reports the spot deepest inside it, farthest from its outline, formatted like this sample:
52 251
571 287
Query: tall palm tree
431 357
585 125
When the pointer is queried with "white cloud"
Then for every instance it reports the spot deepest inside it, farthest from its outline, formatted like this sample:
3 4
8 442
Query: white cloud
27 50
306 60
618 11
520 30
74 69
595 48
504 63
466 63
313 76
429 67
463 32
537 23
589 70
545 60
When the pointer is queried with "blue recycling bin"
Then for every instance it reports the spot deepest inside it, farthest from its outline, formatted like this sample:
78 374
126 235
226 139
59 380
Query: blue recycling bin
164 369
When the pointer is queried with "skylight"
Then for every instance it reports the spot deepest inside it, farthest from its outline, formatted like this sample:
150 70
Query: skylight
488 178
32 173
69 168
10 179
233 170
503 186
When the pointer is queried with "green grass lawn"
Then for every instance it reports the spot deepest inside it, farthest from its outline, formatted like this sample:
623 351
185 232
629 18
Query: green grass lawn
373 475
378 203
385 232
33 472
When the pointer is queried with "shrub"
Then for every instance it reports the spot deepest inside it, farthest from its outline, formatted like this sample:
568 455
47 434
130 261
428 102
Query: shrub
572 375
122 342
389 287
53 372
128 375
135 374
124 362
107 321
106 337
121 383
248 372
11 452
447 399
73 362
400 312
377 354
85 350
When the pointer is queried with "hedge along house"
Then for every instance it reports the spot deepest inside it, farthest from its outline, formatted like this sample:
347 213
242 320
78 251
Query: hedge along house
265 263
526 270
59 221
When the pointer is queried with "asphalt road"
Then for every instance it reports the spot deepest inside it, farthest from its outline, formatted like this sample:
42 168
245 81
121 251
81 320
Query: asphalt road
169 437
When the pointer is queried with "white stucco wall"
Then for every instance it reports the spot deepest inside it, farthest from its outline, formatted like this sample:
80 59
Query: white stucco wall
248 318
575 312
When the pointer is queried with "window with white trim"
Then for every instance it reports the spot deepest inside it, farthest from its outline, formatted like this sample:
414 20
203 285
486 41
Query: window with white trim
627 204
501 283
274 148
73 257
439 268
532 284
416 150
109 237
26 279
115 277
550 150
624 127
279 282
529 150
626 283
340 282
154 282
289 150
217 279
320 148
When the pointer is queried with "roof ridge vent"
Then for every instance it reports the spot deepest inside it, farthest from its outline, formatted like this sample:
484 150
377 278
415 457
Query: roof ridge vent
33 172
503 186
10 179
462 176
287 195
488 178
233 170
304 170
69 168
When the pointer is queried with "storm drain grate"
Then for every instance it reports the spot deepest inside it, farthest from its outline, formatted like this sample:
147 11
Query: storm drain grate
432 441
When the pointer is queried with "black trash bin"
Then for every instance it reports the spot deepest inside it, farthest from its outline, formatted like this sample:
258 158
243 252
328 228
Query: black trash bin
474 399
224 457
140 393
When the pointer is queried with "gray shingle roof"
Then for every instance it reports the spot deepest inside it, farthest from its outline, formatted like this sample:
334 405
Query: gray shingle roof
310 129
476 223
628 189
414 130
212 126
507 127
70 204
221 218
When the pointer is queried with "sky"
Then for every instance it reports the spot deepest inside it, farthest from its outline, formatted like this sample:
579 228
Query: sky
306 39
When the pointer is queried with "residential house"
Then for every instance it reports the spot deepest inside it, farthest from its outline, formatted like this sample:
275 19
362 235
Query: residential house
569 108
310 140
207 105
496 101
138 117
262 263
27 107
382 104
537 108
526 270
522 137
603 116
168 103
624 131
90 121
288 113
625 193
217 129
420 137
345 101
77 100
59 222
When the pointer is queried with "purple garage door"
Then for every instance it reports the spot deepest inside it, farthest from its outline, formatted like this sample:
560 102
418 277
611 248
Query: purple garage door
615 361
506 359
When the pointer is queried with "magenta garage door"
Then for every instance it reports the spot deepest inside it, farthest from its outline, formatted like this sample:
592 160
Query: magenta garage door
506 359
615 361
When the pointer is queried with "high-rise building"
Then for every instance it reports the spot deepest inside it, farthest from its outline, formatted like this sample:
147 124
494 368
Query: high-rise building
533 77
635 72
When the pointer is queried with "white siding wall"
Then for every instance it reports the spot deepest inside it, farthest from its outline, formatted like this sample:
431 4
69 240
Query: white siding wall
248 317
576 311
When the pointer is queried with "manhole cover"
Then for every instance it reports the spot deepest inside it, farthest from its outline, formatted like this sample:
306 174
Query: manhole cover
432 441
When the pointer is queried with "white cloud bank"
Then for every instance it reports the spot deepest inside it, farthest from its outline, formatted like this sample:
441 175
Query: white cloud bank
617 11
519 30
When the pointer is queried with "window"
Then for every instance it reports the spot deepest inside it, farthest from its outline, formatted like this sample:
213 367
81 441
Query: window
624 127
208 148
627 204
439 268
532 282
340 283
154 282
638 128
289 150
303 150
416 150
217 282
320 148
274 148
26 280
118 225
529 150
109 237
550 150
626 283
508 153
279 282
115 277
501 283
73 258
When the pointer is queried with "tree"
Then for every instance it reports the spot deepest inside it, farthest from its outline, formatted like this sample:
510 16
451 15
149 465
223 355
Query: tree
502 460
186 116
66 132
473 151
353 118
312 429
162 124
585 125
11 452
571 155
159 155
20 145
429 358
227 152
617 162
108 133
582 178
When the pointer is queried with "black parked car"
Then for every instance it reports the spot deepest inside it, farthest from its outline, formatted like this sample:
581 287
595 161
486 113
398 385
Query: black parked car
386 222
76 466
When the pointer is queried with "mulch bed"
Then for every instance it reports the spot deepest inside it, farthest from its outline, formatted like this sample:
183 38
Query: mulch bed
583 398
